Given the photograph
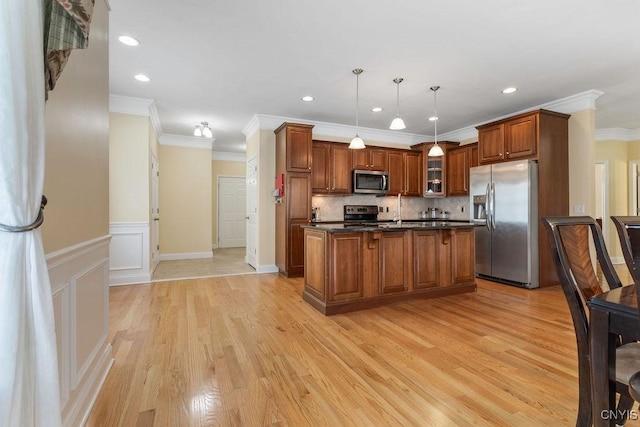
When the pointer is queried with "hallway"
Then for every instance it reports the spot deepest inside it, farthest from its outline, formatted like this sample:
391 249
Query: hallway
225 262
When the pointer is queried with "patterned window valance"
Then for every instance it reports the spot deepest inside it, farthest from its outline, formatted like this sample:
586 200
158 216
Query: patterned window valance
67 24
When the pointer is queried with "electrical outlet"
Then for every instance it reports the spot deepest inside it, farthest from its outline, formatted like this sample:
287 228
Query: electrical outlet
462 209
579 209
380 209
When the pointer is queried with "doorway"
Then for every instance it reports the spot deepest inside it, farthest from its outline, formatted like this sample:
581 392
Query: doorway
252 210
602 196
232 210
155 212
634 188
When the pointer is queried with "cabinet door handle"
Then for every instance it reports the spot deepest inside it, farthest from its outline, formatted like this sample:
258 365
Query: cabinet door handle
500 154
507 153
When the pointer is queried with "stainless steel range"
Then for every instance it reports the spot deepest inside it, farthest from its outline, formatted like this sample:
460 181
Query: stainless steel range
358 214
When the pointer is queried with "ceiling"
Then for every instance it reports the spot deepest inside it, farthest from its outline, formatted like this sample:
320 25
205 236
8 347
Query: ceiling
225 61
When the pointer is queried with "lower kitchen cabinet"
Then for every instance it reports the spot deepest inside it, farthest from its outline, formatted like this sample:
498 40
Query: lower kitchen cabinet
347 271
394 253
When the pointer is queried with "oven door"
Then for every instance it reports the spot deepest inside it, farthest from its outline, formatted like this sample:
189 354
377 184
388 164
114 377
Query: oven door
370 182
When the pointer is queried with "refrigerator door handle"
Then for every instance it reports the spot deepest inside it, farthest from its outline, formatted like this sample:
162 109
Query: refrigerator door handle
493 206
488 209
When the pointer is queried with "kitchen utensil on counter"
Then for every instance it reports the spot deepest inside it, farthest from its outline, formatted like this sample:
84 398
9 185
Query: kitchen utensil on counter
444 214
433 212
424 215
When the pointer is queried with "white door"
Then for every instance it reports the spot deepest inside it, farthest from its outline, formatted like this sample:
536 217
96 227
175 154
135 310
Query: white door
232 210
155 212
252 210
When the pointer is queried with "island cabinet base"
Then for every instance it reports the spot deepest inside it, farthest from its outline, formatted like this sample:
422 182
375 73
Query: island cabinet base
348 271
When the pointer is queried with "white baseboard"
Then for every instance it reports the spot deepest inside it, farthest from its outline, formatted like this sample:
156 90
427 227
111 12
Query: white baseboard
272 268
129 253
133 279
79 277
186 255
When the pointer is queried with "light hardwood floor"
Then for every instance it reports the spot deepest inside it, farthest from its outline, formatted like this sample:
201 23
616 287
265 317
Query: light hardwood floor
246 350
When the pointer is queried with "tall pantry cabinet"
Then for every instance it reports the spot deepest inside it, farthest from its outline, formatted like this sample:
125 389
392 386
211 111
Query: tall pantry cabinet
294 153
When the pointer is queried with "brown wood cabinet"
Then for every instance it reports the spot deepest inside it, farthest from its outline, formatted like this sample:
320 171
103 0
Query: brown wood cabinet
434 169
459 161
331 171
370 158
512 139
293 159
405 173
395 262
542 136
348 271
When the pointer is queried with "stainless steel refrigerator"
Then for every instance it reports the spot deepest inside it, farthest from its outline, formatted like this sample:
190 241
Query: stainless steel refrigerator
504 201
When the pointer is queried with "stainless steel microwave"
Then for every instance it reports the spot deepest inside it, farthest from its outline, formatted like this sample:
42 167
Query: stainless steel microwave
370 182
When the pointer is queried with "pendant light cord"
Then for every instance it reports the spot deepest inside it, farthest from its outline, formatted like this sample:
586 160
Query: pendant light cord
357 98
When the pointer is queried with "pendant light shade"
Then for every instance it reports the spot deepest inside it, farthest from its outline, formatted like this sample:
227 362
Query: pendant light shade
397 123
357 143
436 150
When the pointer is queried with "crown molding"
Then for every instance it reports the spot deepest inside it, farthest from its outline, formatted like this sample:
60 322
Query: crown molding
186 141
155 118
229 157
108 5
578 102
130 105
617 134
459 134
269 122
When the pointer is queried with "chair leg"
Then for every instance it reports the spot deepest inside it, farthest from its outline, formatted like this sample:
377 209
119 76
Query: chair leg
584 414
624 406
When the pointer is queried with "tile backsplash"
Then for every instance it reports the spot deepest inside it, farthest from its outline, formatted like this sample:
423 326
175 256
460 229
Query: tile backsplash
331 208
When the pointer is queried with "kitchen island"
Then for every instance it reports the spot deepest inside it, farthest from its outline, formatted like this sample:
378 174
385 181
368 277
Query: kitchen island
350 268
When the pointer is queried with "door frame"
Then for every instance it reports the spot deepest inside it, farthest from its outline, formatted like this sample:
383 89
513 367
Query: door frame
605 198
217 244
154 227
634 170
256 160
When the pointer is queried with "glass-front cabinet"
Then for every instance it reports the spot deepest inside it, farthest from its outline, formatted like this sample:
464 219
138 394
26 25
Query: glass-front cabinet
435 176
434 169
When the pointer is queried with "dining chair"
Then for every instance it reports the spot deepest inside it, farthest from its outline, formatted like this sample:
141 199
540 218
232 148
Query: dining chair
629 234
569 238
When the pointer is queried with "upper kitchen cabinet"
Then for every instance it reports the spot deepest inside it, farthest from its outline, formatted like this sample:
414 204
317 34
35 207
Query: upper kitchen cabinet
370 158
434 169
298 146
405 175
331 171
459 161
514 138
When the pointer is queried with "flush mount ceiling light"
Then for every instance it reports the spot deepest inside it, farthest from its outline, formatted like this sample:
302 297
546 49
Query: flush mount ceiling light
436 150
129 41
509 90
203 129
357 143
376 109
397 123
142 78
307 98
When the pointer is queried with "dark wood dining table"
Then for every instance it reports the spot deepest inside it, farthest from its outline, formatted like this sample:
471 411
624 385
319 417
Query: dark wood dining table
611 314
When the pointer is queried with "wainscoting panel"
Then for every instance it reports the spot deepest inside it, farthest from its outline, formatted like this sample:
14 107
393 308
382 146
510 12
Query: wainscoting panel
129 253
79 285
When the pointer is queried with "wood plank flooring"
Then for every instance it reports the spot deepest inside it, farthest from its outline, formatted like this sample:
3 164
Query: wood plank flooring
246 350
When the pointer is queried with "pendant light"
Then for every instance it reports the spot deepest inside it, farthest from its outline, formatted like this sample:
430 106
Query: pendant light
436 150
357 143
397 123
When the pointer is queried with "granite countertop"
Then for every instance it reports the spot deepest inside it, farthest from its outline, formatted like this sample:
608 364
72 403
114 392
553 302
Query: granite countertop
389 226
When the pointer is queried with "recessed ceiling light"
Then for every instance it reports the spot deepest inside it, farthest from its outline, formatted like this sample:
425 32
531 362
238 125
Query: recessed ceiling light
142 78
307 98
376 109
509 90
129 41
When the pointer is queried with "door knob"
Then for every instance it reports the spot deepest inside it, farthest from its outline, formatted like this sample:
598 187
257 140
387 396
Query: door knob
246 217
156 219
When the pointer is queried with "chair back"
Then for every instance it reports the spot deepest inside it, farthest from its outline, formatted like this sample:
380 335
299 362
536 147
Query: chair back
629 233
569 238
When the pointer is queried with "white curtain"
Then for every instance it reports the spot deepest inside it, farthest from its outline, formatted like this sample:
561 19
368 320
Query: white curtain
29 392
